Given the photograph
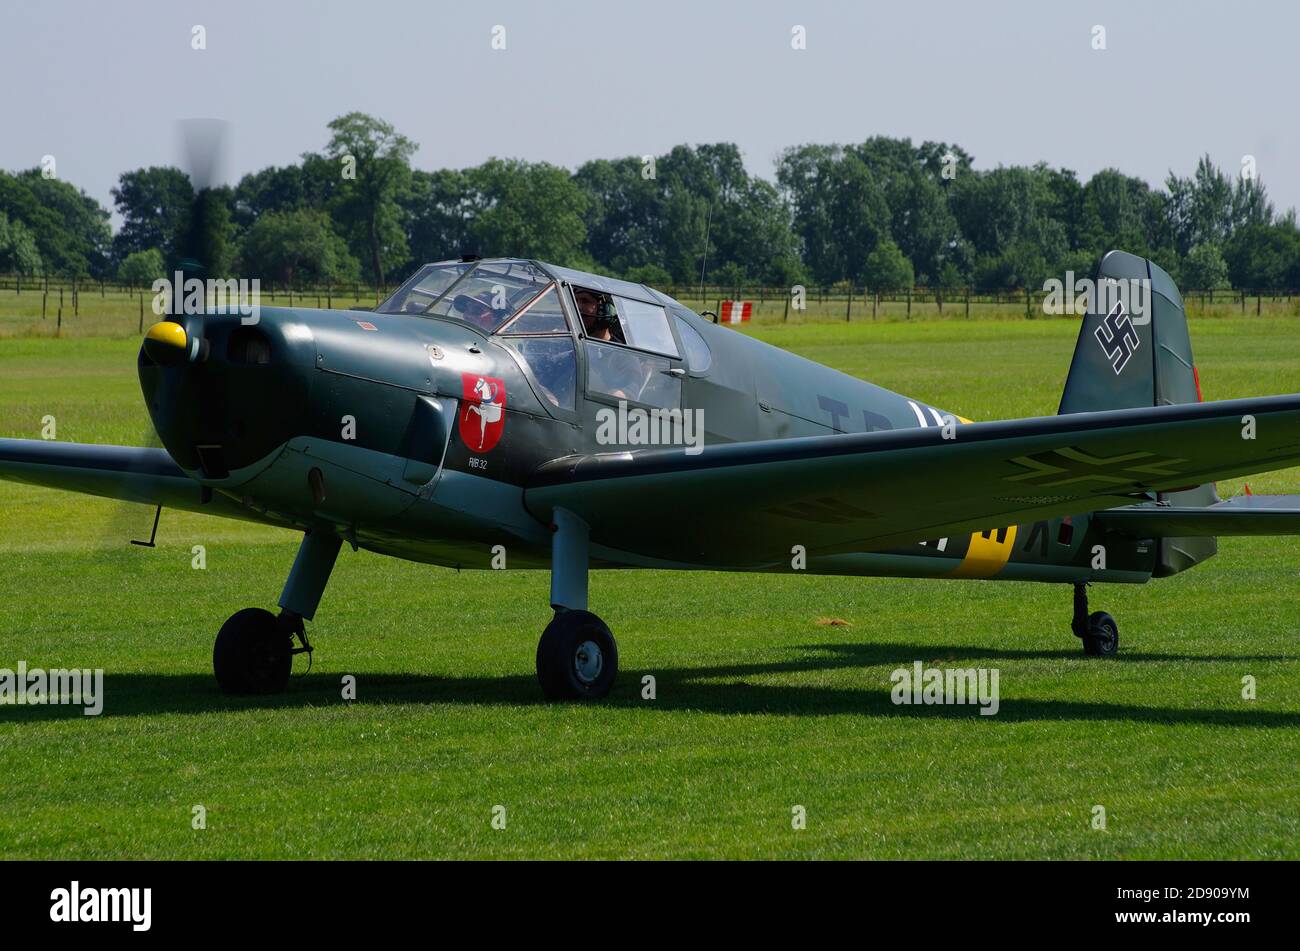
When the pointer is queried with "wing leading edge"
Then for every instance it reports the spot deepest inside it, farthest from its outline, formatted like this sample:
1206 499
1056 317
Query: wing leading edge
747 504
131 474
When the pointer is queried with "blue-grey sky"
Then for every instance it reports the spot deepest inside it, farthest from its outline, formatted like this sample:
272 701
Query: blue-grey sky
99 84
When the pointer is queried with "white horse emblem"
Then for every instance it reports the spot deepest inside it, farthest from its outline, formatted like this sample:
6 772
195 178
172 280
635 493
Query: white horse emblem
488 407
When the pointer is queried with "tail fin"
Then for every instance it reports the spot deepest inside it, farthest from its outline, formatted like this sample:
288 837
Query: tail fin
1134 350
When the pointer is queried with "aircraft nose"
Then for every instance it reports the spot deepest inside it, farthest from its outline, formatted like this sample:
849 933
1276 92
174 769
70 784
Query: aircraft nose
223 393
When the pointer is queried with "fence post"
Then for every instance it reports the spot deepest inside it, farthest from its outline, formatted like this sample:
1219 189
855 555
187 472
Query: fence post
1258 301
1027 314
968 302
141 313
1243 300
786 316
329 295
909 303
848 308
875 302
44 298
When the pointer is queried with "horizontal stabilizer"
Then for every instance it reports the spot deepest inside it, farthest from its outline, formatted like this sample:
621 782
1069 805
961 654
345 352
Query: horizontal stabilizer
1243 515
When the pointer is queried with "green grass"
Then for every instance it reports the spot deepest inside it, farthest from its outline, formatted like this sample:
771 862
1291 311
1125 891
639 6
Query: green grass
759 708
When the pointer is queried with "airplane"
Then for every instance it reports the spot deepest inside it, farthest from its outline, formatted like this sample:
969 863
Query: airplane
508 411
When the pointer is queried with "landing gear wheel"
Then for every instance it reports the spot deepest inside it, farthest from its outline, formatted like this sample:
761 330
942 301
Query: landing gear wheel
253 653
1102 637
577 658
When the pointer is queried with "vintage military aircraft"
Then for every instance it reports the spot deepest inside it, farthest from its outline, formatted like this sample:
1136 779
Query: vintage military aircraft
506 408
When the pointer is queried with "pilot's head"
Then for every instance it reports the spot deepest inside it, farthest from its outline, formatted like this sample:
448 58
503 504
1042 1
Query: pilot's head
591 307
588 305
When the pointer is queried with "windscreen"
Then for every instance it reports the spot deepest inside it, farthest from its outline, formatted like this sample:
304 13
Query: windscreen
491 294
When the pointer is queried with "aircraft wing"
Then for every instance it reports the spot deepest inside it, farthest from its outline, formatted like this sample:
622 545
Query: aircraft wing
747 504
132 474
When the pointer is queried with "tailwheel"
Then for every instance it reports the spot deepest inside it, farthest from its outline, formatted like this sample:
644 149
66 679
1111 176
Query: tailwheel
1102 637
254 652
577 658
1098 631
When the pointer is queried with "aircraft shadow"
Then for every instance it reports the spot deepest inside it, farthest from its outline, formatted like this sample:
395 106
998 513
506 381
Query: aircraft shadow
720 689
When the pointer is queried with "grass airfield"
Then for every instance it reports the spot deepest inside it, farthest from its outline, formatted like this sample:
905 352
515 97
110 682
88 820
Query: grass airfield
759 707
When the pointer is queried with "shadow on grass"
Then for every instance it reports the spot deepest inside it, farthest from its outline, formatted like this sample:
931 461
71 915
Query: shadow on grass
719 689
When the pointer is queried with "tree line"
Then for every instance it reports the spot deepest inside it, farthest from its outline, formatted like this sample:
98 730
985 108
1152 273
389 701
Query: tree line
883 214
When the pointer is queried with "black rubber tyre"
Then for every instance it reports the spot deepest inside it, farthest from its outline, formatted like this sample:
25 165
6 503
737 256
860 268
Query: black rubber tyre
1102 639
253 653
577 658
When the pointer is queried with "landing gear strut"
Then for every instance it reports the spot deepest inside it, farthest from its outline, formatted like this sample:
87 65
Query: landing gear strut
577 658
254 650
1098 631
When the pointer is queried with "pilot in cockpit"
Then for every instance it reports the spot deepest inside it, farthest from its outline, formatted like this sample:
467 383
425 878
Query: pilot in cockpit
599 318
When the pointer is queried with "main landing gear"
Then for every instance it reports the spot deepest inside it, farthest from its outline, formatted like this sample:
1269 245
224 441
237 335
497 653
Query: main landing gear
254 651
255 648
1098 631
577 657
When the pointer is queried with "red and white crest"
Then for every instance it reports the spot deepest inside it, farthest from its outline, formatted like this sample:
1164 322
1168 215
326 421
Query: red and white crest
482 411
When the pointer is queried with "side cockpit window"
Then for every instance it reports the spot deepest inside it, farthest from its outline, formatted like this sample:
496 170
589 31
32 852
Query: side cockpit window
622 320
629 349
646 326
544 315
554 365
540 335
625 374
698 356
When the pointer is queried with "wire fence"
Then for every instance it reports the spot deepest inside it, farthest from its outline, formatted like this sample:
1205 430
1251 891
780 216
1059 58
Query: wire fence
51 304
858 303
82 286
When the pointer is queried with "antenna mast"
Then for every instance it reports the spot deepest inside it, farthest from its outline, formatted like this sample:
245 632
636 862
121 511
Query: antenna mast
705 260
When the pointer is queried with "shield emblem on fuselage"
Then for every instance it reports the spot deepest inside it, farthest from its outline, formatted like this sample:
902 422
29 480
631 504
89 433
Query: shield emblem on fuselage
482 411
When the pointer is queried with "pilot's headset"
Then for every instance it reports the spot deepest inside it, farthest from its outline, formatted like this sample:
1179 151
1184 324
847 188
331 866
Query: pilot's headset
606 316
